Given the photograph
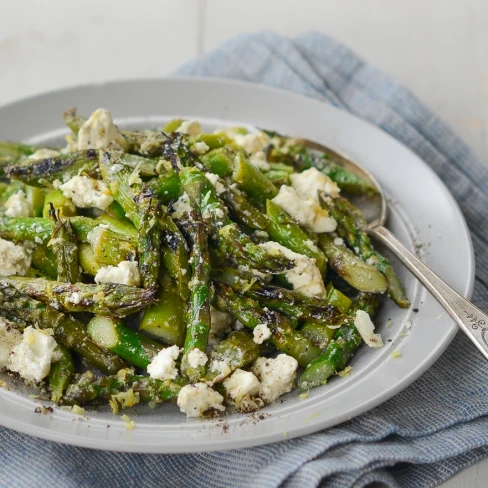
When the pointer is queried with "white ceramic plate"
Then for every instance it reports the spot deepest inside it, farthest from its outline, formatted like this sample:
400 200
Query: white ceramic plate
422 212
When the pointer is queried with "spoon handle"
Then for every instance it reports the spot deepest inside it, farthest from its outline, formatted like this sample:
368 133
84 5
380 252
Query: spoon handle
472 321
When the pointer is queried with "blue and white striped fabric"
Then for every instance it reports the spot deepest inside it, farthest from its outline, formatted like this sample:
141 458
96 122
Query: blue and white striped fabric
419 438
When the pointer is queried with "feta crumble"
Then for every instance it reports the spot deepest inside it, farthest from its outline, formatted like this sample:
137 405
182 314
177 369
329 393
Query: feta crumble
125 273
259 161
44 154
214 179
87 192
75 298
252 143
197 358
304 210
261 332
9 338
181 206
310 182
190 127
338 241
365 327
99 131
163 365
195 400
220 324
32 357
305 277
240 385
17 205
276 375
14 259
200 148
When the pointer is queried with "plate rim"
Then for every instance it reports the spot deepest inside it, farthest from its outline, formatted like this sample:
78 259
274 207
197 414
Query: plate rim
110 445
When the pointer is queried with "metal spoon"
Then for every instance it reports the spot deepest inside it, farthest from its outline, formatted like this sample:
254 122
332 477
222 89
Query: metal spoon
472 321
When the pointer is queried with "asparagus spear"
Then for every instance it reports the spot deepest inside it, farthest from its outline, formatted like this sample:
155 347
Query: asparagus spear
198 314
61 374
338 353
64 205
350 225
250 314
43 172
113 335
63 244
108 299
89 389
68 331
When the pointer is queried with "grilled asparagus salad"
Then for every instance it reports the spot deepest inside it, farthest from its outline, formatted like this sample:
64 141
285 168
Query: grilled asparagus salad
173 265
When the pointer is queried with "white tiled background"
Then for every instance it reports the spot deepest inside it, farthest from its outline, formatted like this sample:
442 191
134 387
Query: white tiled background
438 48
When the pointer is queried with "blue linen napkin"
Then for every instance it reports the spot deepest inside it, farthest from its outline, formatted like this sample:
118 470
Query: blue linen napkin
419 438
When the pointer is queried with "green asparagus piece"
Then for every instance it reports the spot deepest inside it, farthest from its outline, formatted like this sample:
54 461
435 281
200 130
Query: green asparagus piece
108 299
64 247
219 161
164 319
166 187
61 374
73 120
88 260
43 172
350 225
337 299
15 151
337 354
319 334
64 205
67 331
250 314
120 225
91 390
111 334
44 261
198 314
284 230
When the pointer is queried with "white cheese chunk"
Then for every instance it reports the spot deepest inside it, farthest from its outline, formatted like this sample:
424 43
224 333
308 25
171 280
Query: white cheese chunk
32 357
197 358
259 160
87 192
241 384
214 179
338 241
310 182
181 206
365 327
277 376
305 277
252 143
220 324
125 273
196 399
163 365
190 127
261 332
305 211
220 367
17 205
44 154
99 131
14 259
9 338
200 148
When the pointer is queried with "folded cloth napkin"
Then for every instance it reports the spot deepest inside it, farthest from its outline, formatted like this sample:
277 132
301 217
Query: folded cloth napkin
419 438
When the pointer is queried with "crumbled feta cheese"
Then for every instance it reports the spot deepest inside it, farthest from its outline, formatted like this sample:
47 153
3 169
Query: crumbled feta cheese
221 367
9 338
163 365
261 233
75 298
197 358
252 143
134 177
190 127
99 131
220 324
310 182
14 259
87 192
408 324
305 277
214 179
44 154
125 273
200 148
239 385
181 206
261 332
57 184
258 274
365 327
312 246
32 357
17 205
38 240
304 210
276 376
195 400
238 325
372 261
259 161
